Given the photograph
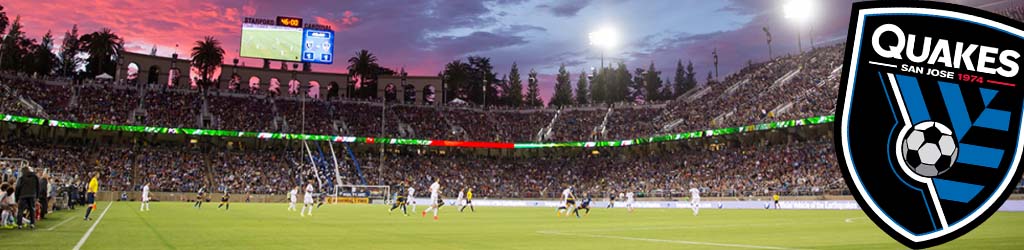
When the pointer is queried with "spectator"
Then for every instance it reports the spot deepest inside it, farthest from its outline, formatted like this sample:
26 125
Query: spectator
26 191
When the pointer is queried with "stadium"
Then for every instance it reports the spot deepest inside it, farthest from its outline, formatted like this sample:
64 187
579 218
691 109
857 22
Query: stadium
185 146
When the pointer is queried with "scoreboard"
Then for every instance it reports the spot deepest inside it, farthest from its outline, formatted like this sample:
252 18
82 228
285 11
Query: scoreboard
287 39
318 46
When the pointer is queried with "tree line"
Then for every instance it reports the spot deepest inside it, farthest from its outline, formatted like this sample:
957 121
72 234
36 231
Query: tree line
475 81
85 55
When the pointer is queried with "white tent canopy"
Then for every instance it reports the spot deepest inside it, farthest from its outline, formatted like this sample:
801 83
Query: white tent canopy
457 101
105 76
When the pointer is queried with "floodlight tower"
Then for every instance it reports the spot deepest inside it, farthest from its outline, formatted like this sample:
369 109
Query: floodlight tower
604 39
800 11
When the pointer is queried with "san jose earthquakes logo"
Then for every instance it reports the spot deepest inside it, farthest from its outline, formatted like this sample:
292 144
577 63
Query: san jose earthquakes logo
929 116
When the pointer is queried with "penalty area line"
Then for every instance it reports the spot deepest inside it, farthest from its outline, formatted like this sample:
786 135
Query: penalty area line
89 232
685 242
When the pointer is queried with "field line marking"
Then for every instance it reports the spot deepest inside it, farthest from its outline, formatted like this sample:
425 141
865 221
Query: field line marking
668 227
851 219
61 223
89 232
667 241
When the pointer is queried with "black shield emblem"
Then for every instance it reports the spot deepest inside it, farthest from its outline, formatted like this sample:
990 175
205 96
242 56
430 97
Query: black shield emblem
929 116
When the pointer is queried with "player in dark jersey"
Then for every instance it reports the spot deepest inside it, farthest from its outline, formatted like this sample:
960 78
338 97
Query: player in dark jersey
321 199
224 201
400 201
199 198
584 204
611 200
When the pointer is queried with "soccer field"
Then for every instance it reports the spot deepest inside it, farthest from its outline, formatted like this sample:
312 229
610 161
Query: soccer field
171 225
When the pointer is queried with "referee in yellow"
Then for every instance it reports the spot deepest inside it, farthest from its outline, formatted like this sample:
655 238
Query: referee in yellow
94 186
469 201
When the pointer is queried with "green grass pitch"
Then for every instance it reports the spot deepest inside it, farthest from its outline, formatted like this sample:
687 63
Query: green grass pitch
176 225
272 44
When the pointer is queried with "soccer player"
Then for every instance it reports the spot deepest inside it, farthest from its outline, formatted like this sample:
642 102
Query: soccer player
145 198
611 200
469 201
458 202
321 198
400 201
568 201
307 199
695 200
199 197
292 197
776 199
410 198
90 196
225 201
629 201
435 198
584 204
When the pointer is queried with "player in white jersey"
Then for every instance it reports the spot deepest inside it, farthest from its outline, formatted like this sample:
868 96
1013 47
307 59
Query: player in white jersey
629 201
459 201
435 198
695 200
292 197
145 198
568 201
307 199
411 199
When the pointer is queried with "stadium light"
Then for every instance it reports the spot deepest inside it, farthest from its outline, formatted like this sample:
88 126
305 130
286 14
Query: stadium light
605 39
800 11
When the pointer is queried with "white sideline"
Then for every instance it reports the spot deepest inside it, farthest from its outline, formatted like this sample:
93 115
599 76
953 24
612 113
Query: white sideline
87 233
667 241
61 223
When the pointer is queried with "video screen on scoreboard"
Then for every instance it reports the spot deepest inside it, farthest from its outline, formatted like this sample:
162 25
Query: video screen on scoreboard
271 42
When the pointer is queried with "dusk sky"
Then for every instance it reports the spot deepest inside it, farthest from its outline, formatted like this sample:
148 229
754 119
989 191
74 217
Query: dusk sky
424 35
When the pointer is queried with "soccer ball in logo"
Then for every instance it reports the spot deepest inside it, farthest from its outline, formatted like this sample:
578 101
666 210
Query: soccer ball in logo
930 149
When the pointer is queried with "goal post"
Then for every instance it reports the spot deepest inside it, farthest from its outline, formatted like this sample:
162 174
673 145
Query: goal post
360 194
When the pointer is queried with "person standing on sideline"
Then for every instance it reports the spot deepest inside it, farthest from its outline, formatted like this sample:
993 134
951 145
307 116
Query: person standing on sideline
44 191
90 194
26 190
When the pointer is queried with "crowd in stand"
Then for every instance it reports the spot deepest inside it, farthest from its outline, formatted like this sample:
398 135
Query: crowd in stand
760 93
796 169
241 114
1014 12
171 109
103 105
9 104
316 120
800 169
521 126
629 122
476 125
784 88
573 125
423 121
164 168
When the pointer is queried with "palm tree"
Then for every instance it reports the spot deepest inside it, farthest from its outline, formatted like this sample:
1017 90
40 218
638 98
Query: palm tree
207 55
363 63
103 47
3 20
